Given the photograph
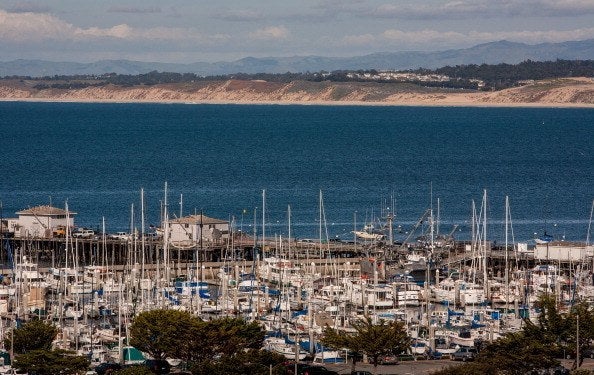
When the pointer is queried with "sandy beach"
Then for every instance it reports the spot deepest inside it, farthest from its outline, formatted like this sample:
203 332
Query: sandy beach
574 92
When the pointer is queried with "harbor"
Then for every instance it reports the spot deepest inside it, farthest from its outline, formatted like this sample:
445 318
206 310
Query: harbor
449 294
316 231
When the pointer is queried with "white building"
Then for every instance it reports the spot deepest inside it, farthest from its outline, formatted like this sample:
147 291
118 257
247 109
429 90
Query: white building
40 221
188 230
564 252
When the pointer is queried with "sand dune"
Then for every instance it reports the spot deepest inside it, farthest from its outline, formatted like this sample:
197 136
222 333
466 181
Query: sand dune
575 92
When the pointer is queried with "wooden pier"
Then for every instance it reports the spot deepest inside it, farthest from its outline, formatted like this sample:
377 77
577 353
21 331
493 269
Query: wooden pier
120 253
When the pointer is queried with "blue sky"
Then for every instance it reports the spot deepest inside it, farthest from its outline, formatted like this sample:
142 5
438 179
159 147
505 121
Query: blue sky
188 30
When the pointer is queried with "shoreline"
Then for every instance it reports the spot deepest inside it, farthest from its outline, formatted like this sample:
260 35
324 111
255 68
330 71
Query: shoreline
419 103
557 93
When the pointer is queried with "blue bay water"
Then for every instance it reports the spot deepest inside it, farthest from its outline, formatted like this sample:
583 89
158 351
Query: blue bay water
220 157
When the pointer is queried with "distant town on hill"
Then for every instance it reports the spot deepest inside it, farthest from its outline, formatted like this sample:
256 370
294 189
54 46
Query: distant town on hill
475 77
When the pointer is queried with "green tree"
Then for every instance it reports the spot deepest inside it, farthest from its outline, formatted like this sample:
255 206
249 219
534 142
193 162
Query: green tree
536 347
373 340
176 334
255 362
226 337
518 354
163 333
33 335
51 362
580 321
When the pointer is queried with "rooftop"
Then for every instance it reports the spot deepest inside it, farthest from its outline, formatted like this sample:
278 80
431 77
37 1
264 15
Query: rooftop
197 220
44 211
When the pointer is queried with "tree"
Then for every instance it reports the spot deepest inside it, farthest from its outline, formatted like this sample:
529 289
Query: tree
33 335
226 337
373 340
164 333
580 318
51 362
517 354
177 334
255 362
536 347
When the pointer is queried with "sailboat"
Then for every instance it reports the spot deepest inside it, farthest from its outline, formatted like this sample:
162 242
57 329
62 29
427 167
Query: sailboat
368 234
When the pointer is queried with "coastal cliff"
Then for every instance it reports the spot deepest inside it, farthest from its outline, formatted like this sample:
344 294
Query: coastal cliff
558 92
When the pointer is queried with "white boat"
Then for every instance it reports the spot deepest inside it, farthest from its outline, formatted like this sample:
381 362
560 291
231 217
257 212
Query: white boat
370 233
419 347
369 296
462 338
280 271
406 294
450 291
96 353
280 346
329 356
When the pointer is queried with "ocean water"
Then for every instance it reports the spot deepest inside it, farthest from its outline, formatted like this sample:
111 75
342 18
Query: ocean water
365 161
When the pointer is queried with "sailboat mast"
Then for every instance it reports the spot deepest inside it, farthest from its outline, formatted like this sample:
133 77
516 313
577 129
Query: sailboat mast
590 224
320 222
289 238
166 236
263 218
132 236
142 245
485 279
506 255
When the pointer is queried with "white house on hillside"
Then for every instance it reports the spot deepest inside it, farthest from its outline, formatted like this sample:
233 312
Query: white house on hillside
41 221
186 231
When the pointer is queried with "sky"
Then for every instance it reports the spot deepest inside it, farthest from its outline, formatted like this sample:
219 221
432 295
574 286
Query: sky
186 31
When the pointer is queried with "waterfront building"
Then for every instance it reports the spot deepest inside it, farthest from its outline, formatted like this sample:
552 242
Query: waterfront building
41 222
191 230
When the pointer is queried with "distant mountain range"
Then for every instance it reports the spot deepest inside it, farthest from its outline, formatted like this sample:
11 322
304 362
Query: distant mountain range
488 53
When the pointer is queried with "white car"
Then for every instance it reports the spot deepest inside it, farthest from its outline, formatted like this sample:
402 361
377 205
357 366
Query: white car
122 236
84 233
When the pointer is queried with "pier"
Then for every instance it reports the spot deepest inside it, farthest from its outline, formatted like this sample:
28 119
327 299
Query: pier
122 254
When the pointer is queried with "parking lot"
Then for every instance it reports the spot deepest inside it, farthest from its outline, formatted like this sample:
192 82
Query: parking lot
427 367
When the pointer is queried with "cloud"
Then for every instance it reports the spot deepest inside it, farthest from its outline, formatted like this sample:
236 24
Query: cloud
357 40
28 7
126 9
428 36
239 15
20 27
463 9
272 32
37 27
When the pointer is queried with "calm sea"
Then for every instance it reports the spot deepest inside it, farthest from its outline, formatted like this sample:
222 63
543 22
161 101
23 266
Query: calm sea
365 161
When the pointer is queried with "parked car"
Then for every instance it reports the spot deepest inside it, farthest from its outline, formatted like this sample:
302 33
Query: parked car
388 360
158 366
84 233
434 355
122 236
318 370
107 368
464 354
588 353
290 367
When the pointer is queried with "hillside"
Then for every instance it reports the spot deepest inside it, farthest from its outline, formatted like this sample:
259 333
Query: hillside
487 53
558 92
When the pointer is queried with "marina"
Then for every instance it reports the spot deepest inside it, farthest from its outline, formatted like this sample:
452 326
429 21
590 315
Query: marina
396 226
450 294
